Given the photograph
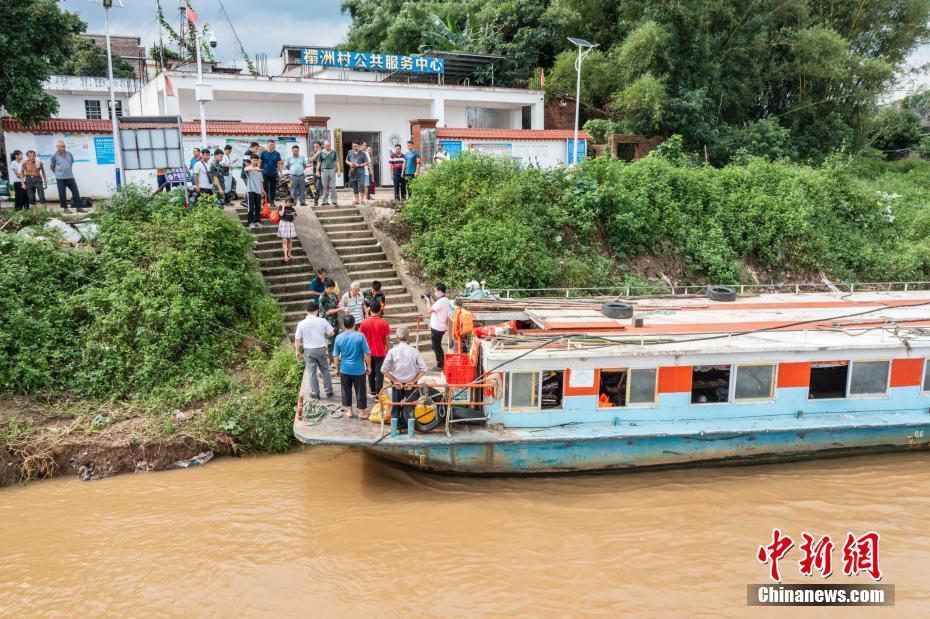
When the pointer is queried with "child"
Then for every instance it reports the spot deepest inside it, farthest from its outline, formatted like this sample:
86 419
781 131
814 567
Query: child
286 229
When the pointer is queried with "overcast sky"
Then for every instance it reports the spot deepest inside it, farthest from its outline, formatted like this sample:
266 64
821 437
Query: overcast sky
265 26
262 26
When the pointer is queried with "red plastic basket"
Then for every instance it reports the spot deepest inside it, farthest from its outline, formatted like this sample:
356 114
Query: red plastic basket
458 369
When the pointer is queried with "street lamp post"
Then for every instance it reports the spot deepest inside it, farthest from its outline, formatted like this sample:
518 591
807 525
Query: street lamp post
584 48
117 151
203 91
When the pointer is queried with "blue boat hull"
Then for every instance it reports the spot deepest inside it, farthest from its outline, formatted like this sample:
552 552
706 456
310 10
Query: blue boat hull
515 457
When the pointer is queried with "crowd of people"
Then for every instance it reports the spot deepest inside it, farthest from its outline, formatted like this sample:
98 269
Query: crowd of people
28 179
350 335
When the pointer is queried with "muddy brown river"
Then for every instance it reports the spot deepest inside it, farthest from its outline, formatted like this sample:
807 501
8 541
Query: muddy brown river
332 532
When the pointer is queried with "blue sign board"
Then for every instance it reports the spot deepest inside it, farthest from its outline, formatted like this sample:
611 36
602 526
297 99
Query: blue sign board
582 150
177 176
453 147
363 61
103 146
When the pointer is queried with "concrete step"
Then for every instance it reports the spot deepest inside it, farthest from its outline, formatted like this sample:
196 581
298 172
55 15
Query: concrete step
351 235
331 227
300 294
271 243
280 268
368 265
371 274
286 288
287 278
277 252
349 248
338 218
366 257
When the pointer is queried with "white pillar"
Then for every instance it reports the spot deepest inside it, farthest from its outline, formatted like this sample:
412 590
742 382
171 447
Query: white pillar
537 115
516 118
308 105
438 111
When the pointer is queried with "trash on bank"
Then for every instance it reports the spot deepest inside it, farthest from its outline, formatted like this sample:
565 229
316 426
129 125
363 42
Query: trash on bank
70 234
201 458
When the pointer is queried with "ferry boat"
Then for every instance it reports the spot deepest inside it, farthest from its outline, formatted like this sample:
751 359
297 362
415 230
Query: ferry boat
579 385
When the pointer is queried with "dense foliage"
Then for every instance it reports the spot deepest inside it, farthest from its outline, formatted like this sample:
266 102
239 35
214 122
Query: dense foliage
155 309
752 219
35 37
85 58
709 70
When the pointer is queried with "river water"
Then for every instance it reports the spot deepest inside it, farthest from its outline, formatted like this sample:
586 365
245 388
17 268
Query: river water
333 532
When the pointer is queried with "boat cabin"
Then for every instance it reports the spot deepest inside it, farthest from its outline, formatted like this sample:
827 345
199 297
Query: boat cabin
691 359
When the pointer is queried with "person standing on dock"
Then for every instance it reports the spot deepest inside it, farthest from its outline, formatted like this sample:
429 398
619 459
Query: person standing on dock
329 307
378 334
353 358
311 339
403 366
353 302
440 313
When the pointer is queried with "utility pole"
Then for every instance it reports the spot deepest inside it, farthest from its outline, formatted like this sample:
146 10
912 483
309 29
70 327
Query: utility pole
584 48
117 151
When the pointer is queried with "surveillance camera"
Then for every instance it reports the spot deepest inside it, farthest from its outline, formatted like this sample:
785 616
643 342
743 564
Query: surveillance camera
212 40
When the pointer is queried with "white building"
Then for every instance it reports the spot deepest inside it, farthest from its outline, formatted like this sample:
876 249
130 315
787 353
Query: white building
307 103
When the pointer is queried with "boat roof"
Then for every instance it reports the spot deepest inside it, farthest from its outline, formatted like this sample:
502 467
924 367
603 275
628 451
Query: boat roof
677 325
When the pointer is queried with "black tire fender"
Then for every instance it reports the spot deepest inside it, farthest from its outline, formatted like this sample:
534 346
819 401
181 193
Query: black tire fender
617 309
721 293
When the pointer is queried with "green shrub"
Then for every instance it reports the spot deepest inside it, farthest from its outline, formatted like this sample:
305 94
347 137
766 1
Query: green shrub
260 420
853 218
153 308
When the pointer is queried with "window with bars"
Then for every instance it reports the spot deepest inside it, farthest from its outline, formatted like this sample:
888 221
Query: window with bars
92 109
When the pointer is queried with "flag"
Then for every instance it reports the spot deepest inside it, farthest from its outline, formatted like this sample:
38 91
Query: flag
542 78
169 87
191 15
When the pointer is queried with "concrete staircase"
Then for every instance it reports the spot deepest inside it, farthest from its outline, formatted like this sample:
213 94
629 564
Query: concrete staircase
361 256
365 261
287 282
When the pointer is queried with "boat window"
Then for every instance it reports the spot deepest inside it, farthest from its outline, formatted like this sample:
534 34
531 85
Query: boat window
524 390
926 374
553 382
754 382
869 378
613 389
710 384
643 386
828 380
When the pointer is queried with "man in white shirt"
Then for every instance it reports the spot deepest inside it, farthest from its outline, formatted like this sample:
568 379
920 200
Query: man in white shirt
440 316
310 339
402 368
203 184
441 155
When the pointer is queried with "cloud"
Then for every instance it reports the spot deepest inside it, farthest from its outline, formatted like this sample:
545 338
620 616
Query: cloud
261 26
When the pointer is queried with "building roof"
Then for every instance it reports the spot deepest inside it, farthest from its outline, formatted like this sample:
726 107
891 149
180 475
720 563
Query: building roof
80 125
510 134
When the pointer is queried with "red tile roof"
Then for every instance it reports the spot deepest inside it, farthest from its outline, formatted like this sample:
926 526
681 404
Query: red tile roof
79 125
510 134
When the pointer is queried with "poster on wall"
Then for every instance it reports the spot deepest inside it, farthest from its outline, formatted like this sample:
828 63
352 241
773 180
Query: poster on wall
78 146
427 145
495 149
453 147
570 151
337 146
103 147
532 155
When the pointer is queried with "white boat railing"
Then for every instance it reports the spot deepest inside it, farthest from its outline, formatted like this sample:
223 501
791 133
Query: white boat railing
701 290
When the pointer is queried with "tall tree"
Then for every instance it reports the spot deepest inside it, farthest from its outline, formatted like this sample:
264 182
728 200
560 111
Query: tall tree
35 37
85 58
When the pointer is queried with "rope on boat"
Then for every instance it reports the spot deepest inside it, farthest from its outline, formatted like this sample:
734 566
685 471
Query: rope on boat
315 411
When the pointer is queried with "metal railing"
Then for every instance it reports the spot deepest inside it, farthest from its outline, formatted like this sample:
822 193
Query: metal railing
700 290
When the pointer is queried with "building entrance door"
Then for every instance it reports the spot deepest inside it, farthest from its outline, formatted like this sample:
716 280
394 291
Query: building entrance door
373 139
